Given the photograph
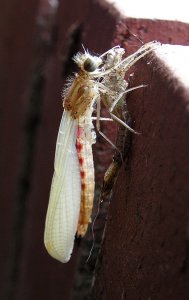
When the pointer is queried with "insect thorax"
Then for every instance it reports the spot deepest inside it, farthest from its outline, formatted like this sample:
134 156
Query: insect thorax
80 96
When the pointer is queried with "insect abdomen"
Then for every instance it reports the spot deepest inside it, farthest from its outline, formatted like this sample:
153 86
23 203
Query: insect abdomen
85 156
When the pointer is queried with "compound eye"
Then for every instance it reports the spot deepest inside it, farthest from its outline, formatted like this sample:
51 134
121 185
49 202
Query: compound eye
89 65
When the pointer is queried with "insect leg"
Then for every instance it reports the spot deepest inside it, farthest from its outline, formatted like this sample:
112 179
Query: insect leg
123 123
102 119
106 98
114 103
105 53
123 142
98 127
129 61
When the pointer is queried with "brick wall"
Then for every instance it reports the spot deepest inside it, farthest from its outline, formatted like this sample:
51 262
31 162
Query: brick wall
147 230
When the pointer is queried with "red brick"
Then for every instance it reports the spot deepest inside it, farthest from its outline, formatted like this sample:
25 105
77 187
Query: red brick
146 239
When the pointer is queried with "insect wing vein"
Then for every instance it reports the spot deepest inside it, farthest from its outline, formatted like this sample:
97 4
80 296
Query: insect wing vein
64 204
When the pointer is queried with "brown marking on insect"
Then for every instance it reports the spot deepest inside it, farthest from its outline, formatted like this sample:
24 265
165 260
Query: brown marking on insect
84 151
79 97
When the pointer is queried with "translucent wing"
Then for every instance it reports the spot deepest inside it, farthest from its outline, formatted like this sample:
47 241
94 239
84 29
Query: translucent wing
64 203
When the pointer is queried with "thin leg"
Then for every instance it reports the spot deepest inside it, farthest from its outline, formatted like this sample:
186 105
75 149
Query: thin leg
133 58
109 51
123 123
110 142
102 119
98 127
125 92
98 108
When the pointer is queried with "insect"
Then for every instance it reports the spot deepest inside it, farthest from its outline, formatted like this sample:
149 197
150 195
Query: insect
72 190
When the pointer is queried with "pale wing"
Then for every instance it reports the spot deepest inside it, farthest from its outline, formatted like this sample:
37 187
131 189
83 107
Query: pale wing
64 203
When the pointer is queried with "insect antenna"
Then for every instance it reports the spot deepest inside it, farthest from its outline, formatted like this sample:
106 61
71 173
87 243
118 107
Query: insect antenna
133 34
86 51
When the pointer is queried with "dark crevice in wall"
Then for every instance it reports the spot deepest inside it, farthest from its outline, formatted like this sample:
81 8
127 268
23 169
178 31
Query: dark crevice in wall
73 45
42 50
31 127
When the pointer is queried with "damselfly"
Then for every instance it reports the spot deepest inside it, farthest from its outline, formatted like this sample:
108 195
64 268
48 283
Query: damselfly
72 189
